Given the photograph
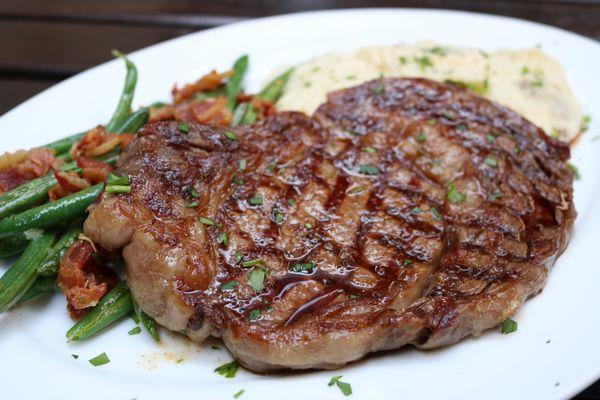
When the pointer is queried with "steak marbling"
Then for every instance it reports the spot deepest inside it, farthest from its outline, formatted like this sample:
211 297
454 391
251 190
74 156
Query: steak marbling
404 212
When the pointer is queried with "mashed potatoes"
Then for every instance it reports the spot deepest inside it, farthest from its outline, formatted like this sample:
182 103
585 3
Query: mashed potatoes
528 81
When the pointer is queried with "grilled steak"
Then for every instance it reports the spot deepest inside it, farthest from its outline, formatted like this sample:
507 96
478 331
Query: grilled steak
404 212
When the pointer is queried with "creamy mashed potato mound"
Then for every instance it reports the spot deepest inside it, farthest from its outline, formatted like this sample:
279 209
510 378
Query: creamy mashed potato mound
527 81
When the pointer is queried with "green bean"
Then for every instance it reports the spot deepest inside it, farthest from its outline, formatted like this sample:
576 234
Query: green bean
21 275
12 245
50 265
211 94
123 110
50 214
239 114
134 122
147 321
272 92
64 145
234 84
40 286
111 307
36 190
250 116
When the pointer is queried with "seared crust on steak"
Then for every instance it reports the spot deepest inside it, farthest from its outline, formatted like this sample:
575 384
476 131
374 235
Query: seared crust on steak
405 212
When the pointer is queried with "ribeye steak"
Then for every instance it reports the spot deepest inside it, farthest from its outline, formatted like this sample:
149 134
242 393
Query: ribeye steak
404 211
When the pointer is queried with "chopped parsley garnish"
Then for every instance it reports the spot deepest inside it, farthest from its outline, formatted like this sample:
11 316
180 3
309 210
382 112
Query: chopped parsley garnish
424 62
183 127
379 88
243 164
256 201
215 347
256 278
99 360
368 169
344 387
223 239
431 121
238 257
509 326
491 161
454 195
369 149
449 115
135 331
237 180
303 267
113 179
495 195
228 370
308 225
75 356
574 170
421 137
356 190
461 128
490 138
254 314
228 285
278 217
271 166
406 262
207 221
291 202
193 204
524 70
352 133
117 184
238 394
193 192
403 60
416 210
253 263
436 213
585 123
438 50
230 135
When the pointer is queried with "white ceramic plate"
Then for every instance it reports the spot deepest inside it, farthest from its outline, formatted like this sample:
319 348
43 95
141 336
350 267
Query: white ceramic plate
554 354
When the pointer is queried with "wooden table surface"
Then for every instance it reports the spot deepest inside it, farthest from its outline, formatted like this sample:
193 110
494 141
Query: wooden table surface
44 42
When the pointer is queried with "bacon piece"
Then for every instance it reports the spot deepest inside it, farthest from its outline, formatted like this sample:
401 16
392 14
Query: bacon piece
93 171
98 142
161 113
68 183
82 279
38 162
265 108
209 111
210 81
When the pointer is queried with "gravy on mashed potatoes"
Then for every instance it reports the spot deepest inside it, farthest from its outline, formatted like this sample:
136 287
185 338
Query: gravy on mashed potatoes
527 81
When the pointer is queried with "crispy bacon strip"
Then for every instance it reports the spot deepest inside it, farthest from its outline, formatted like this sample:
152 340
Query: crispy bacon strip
36 163
210 81
161 113
68 183
93 171
210 111
82 279
98 142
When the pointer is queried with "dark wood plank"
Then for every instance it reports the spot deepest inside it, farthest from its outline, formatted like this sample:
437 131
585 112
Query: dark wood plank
58 50
578 15
17 90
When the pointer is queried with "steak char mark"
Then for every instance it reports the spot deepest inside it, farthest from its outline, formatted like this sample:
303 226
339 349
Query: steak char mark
404 211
